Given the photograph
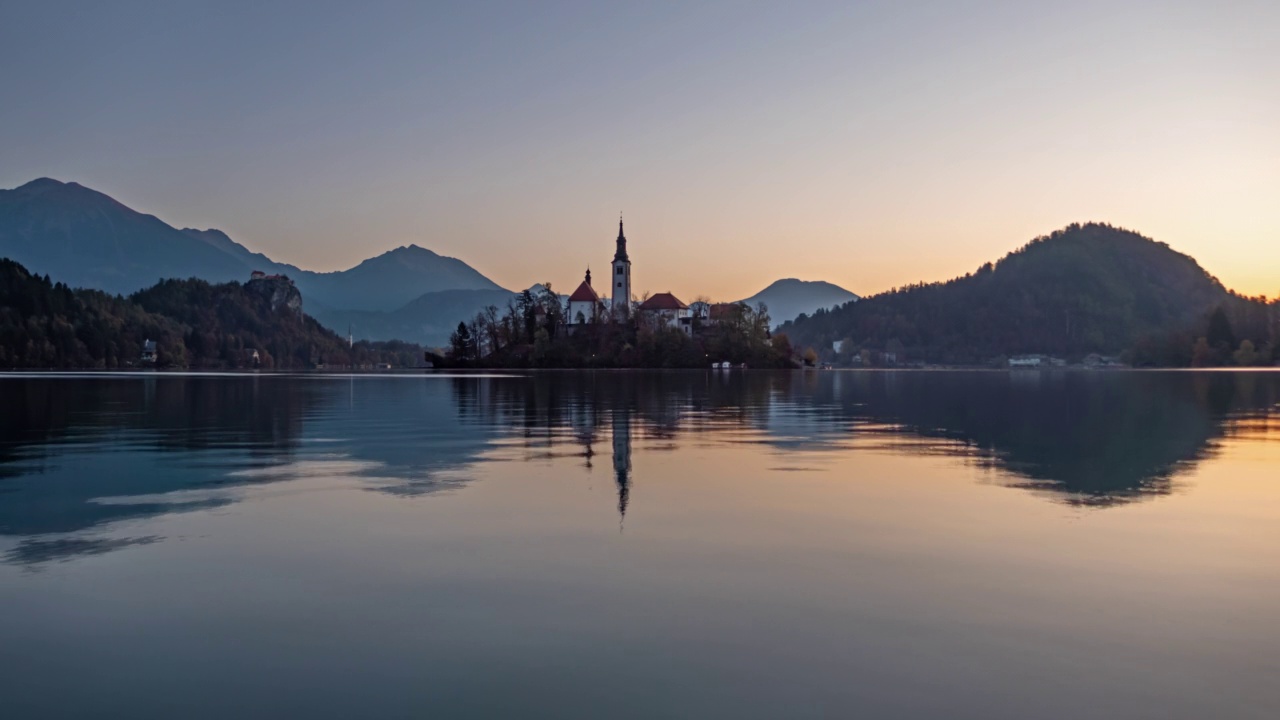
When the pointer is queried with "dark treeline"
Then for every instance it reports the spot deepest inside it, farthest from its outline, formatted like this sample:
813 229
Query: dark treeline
194 324
530 332
1084 289
1240 332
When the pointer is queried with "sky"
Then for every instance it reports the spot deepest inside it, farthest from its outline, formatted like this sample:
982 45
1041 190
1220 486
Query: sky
869 144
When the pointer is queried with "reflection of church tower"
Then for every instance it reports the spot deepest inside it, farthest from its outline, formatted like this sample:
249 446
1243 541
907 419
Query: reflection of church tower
622 458
621 276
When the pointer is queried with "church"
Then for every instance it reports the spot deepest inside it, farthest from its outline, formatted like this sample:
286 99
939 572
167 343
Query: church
587 307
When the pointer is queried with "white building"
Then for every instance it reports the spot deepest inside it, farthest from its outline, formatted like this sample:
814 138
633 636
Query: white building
584 303
621 282
666 309
1036 361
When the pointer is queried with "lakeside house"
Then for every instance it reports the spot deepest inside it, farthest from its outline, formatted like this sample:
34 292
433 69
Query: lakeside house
666 310
1035 361
148 352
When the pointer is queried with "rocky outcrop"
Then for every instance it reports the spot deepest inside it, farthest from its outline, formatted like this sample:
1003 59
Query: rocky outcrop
279 290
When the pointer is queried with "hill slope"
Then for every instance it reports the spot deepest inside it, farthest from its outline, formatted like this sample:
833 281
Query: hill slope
1086 288
788 298
194 324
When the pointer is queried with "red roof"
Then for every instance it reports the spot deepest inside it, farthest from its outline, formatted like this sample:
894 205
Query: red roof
584 293
722 311
663 301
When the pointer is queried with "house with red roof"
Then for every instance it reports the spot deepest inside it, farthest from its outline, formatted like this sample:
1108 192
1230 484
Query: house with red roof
584 304
667 309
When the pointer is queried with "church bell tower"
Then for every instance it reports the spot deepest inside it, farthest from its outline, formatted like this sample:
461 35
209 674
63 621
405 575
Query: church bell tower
621 283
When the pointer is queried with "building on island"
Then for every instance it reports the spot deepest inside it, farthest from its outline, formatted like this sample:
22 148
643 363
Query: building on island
726 312
584 304
621 283
667 310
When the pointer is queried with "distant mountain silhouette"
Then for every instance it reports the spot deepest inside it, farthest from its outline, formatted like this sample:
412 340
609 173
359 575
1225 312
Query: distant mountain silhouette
427 320
390 280
1085 288
788 298
87 239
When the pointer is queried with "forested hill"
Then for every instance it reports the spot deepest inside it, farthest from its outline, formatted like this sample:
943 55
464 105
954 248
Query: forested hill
1083 289
193 323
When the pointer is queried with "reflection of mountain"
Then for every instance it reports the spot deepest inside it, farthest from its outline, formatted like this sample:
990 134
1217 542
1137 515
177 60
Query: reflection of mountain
1097 438
1087 438
79 454
73 441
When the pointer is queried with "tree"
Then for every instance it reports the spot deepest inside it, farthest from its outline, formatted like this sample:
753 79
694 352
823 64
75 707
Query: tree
896 347
845 355
492 324
781 345
460 343
1202 354
1220 336
541 344
1247 355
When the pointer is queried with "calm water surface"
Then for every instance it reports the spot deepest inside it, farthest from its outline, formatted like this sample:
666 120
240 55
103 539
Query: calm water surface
746 545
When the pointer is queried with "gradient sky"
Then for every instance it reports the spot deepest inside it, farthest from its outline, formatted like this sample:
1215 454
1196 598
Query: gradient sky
869 144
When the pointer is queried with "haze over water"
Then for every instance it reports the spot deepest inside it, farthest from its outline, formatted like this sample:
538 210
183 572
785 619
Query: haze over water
630 544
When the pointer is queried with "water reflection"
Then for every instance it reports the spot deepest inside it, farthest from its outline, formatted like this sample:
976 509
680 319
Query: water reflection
77 454
1089 439
622 459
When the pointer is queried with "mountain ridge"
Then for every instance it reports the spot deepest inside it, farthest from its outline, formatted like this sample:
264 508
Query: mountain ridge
89 239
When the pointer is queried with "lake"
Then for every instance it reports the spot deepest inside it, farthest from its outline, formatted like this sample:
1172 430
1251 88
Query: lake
736 544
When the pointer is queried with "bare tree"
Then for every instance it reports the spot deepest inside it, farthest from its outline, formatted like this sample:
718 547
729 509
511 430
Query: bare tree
493 327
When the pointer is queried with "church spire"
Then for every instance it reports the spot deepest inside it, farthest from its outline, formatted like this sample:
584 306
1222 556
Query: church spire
621 253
